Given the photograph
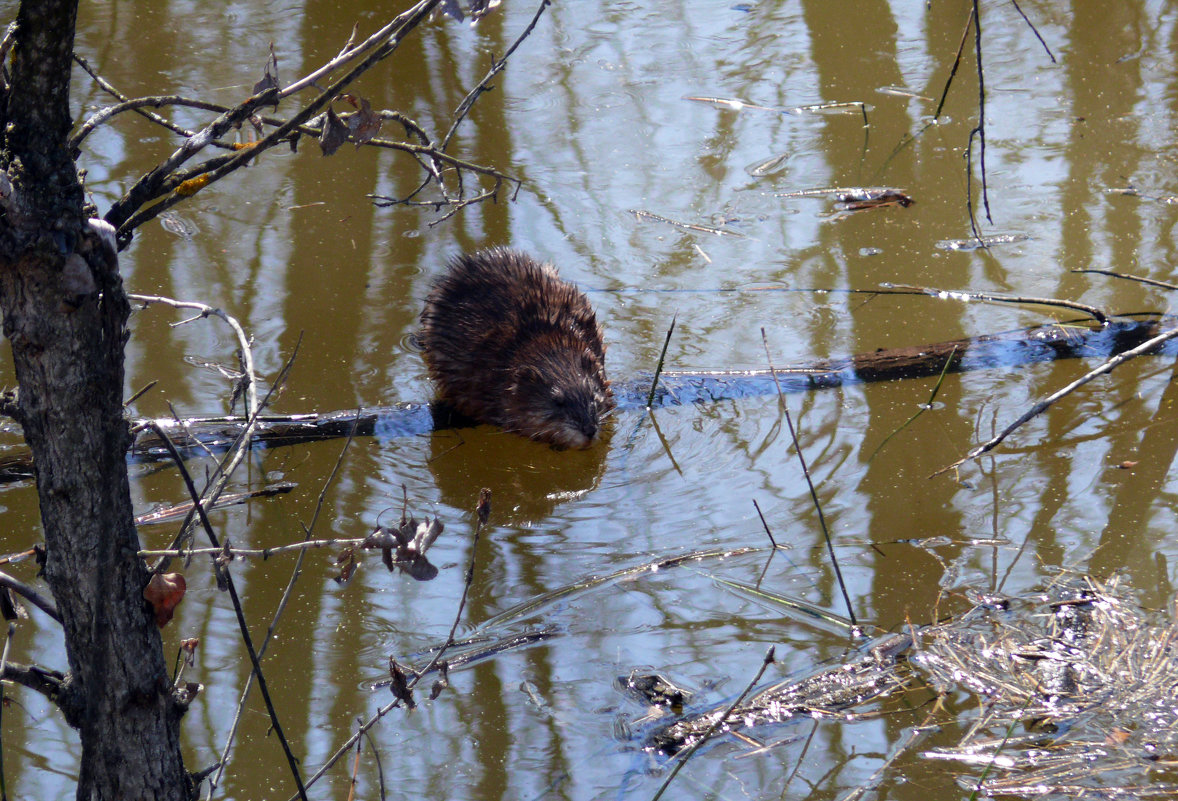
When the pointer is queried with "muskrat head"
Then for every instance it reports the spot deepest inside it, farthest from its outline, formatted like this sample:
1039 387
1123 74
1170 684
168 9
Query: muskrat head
560 401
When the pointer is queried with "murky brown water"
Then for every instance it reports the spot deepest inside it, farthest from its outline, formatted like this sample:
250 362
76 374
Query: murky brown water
592 114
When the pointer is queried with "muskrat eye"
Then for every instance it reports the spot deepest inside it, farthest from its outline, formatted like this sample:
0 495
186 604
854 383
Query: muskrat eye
530 374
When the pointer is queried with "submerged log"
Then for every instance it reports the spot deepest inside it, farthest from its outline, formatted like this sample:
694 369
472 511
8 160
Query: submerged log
193 436
1005 350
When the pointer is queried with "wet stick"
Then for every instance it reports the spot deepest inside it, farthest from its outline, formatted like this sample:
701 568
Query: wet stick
1126 276
482 513
956 65
768 533
711 730
215 781
813 492
223 575
923 407
659 367
995 297
1042 406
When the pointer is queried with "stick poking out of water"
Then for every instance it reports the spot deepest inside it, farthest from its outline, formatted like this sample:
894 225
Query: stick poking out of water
659 368
813 493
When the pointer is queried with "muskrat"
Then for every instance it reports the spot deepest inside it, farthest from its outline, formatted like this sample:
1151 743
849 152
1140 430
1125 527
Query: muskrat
507 342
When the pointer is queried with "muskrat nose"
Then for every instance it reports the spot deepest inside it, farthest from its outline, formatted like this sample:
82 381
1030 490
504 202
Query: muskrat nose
585 421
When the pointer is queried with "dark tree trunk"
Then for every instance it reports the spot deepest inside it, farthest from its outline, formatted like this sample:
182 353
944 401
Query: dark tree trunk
65 315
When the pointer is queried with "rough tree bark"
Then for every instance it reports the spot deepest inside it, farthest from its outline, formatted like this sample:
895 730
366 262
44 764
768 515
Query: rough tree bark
65 315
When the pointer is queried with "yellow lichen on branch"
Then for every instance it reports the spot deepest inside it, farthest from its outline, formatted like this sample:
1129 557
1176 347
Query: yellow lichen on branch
192 186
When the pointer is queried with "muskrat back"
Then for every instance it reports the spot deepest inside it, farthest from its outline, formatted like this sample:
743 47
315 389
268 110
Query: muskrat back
507 342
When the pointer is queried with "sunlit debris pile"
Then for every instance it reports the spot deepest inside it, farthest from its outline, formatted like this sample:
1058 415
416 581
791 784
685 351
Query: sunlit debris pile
1079 695
875 673
1077 690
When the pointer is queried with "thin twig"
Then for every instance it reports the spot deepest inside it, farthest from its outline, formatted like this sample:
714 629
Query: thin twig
956 65
169 184
659 367
973 218
236 454
136 104
347 54
379 767
423 150
1034 30
355 770
239 612
813 492
122 98
496 67
180 510
155 183
257 553
924 407
140 393
30 594
996 297
1043 405
707 735
308 529
917 733
981 129
347 746
243 342
768 533
1130 277
483 510
127 213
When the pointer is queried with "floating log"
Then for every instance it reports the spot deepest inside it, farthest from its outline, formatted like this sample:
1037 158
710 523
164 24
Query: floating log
196 435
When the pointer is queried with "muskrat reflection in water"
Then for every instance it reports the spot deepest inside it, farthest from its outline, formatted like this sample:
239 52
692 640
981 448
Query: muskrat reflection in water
507 342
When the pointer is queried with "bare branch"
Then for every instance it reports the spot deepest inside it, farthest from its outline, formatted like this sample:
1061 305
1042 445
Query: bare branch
483 86
1107 367
243 341
255 660
108 113
30 594
109 89
149 186
170 183
997 297
237 453
389 34
47 682
231 736
402 25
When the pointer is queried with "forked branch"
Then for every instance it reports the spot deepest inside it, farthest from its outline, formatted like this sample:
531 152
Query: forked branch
182 174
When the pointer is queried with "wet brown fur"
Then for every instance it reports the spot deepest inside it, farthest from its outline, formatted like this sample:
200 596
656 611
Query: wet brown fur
509 343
